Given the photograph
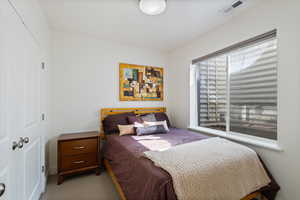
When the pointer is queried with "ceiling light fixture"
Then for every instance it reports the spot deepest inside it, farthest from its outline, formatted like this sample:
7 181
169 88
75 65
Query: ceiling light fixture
153 7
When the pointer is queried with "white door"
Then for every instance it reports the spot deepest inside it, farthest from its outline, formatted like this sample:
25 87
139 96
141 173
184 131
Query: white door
28 106
5 183
22 117
8 179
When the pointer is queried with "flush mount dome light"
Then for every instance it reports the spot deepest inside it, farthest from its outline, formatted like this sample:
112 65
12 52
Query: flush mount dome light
153 7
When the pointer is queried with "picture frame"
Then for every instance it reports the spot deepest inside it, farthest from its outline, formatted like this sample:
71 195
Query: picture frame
141 83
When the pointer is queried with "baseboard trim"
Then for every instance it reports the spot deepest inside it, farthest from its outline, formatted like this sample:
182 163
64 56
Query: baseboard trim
52 171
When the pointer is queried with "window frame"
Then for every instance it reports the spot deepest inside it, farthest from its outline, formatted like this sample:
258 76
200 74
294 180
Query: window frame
240 137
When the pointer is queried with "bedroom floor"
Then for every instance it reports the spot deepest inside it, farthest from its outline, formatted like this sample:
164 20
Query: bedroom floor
82 187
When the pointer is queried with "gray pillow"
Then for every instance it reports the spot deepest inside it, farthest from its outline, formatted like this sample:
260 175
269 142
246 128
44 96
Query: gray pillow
148 130
149 118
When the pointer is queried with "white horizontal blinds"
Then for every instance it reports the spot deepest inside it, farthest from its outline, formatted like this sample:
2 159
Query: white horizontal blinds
253 89
211 95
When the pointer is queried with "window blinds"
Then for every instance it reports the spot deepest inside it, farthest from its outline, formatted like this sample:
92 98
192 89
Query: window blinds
212 75
238 85
253 89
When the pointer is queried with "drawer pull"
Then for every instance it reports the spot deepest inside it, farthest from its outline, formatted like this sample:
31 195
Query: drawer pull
79 162
78 148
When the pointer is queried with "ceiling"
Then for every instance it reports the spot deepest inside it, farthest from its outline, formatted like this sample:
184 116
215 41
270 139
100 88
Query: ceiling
121 21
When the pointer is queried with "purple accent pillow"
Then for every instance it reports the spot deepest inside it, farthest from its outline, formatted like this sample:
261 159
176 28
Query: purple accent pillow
135 118
111 122
149 118
161 116
149 130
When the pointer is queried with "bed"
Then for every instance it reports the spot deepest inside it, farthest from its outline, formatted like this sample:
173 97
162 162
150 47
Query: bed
135 176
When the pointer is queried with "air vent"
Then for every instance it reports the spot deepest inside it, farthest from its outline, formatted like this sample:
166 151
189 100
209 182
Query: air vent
236 4
232 6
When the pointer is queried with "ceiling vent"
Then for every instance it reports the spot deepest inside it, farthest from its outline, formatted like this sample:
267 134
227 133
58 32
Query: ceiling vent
234 5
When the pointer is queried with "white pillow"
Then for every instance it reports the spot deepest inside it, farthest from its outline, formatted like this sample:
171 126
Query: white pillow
164 123
137 125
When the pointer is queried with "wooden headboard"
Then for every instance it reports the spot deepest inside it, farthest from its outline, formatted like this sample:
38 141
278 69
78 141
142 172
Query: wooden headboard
112 111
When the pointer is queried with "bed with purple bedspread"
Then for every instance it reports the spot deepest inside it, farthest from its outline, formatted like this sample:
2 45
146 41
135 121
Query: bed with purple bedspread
139 178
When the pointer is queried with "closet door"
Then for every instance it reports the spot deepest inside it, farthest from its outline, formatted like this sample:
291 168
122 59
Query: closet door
6 188
28 108
9 176
22 105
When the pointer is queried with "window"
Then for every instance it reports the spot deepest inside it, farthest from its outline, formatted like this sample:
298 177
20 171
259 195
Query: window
236 88
211 87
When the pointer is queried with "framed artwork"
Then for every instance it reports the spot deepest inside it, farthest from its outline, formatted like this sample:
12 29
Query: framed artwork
141 83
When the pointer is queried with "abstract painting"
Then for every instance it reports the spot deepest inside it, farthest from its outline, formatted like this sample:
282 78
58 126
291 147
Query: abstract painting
141 83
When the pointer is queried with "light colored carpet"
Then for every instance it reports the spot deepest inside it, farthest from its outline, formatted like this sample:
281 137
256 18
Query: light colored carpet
82 187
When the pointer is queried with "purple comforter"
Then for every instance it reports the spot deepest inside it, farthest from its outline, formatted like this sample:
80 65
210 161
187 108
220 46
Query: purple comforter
138 177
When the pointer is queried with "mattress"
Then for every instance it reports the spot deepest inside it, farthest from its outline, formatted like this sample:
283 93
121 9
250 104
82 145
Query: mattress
138 177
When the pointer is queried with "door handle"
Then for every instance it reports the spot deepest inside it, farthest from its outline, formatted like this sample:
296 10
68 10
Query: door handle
25 140
19 144
2 189
14 145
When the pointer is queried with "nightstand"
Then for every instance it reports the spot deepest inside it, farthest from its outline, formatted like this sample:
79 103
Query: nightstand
77 152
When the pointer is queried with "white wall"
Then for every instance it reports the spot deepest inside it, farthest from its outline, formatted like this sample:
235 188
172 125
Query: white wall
269 14
85 78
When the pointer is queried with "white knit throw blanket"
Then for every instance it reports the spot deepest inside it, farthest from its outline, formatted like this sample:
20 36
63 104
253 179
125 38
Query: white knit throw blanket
212 169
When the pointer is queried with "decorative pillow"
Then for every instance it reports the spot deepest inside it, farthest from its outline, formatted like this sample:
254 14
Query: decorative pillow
133 119
149 118
111 122
164 123
137 125
161 116
126 129
148 130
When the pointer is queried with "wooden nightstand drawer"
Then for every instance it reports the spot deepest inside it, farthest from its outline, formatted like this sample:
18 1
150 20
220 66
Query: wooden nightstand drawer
79 161
77 152
76 147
